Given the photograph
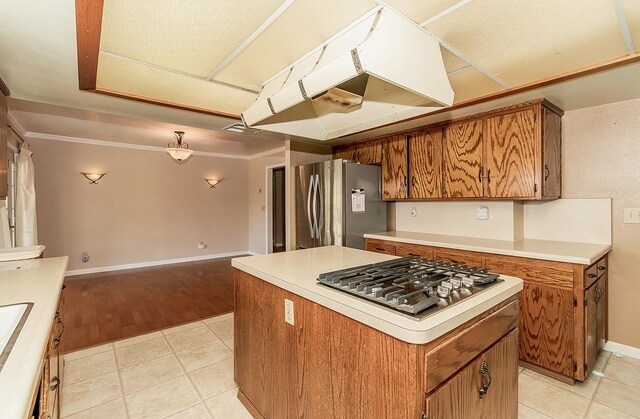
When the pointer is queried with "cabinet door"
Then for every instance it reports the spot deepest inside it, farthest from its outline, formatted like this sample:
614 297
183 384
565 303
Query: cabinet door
347 153
551 154
460 396
369 153
546 327
594 322
510 155
260 344
394 168
425 164
462 160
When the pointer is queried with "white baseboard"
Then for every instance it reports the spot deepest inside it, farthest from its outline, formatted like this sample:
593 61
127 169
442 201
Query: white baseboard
156 263
622 349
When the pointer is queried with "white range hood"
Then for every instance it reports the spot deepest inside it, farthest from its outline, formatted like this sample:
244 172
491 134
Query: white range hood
382 68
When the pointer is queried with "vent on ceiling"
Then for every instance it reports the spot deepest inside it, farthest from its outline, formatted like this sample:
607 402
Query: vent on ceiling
241 128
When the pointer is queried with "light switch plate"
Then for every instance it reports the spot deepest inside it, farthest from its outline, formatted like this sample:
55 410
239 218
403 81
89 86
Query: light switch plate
288 311
631 216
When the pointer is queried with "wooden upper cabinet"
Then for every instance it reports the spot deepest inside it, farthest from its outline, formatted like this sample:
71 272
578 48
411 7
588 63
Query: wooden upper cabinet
365 153
551 149
394 168
462 160
425 164
510 155
347 153
369 153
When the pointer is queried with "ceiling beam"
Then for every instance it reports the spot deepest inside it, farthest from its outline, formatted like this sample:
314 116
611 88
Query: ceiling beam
445 12
251 38
624 26
180 73
88 27
472 63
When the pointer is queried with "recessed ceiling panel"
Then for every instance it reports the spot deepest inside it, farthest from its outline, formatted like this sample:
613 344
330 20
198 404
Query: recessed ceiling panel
190 36
137 79
451 61
522 42
302 27
420 10
469 83
632 12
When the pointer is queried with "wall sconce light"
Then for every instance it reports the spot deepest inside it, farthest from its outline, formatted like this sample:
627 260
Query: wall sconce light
93 177
212 182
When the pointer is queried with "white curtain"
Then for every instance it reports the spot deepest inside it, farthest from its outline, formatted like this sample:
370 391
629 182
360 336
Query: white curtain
26 221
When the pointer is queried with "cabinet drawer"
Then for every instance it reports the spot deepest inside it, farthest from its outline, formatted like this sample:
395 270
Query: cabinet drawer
405 249
590 275
459 257
450 356
495 371
381 247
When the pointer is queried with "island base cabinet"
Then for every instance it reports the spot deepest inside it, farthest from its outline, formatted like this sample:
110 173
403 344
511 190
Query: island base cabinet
326 365
478 390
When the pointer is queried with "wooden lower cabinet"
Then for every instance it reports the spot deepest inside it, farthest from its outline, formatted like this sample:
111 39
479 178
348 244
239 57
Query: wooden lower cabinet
495 371
563 307
327 365
47 401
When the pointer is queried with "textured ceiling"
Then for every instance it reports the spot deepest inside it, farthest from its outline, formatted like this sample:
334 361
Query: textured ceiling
488 45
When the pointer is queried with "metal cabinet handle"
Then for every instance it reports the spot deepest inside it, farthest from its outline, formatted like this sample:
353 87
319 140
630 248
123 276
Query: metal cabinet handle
598 291
546 172
55 382
486 378
489 176
592 275
381 249
602 268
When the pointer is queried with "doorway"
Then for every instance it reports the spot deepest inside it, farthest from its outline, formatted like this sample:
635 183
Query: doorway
277 210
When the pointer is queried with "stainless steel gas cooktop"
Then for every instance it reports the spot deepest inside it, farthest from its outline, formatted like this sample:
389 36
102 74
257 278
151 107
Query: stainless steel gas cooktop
415 286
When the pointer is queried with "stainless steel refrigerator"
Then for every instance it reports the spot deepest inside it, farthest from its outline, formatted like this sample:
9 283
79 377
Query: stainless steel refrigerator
337 202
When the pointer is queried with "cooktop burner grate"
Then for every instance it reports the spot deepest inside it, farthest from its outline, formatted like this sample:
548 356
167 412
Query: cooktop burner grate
411 285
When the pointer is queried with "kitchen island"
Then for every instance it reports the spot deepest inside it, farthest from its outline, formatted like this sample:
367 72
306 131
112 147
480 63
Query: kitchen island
305 350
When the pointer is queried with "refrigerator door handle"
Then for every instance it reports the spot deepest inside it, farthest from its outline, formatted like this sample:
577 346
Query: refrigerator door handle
320 217
309 206
315 214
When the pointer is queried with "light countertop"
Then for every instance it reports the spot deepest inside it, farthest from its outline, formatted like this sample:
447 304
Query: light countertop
298 270
39 284
570 252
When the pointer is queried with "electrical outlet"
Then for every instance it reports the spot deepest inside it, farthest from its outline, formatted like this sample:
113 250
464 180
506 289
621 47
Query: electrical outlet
85 257
631 216
202 245
482 213
288 311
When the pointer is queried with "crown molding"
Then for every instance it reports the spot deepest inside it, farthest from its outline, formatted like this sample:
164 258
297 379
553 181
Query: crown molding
15 124
78 140
267 153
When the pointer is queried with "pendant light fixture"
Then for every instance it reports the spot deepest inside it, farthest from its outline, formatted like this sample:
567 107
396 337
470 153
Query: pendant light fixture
178 150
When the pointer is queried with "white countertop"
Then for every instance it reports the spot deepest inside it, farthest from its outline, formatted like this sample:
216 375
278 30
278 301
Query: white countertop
39 284
298 270
570 252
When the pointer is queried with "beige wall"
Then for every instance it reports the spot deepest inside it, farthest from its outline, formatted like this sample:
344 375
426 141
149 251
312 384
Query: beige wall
601 159
257 200
146 208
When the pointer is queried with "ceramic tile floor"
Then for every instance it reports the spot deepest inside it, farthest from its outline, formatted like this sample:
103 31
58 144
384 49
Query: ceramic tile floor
187 372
